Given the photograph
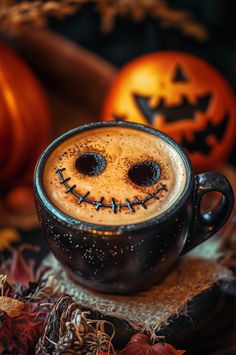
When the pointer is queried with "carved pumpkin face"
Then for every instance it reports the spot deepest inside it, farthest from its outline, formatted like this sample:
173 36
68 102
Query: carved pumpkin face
182 96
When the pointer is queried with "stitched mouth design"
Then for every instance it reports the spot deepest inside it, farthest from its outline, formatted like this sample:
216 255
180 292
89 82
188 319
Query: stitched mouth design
114 206
172 113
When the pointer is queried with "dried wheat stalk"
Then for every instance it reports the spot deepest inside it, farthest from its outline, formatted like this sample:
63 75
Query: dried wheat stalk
14 14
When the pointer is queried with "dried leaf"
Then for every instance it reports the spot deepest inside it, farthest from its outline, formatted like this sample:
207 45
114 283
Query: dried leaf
19 335
17 268
11 306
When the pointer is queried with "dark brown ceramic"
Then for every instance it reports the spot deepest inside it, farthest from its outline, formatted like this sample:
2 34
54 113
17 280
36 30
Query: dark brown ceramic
145 251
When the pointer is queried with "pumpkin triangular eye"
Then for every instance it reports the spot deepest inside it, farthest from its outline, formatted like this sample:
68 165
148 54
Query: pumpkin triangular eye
179 75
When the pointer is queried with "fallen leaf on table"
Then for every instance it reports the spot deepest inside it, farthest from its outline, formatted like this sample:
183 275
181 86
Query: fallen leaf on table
11 306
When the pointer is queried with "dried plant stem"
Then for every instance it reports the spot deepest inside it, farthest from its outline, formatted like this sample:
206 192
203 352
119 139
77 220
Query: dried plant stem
13 14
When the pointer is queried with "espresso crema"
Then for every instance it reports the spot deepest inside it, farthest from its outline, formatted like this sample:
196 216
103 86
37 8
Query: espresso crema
114 176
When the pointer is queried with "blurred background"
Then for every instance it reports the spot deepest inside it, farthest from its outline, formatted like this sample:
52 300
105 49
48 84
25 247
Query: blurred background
134 34
58 62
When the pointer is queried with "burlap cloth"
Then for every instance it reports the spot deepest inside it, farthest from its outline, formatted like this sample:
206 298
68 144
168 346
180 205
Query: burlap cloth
152 309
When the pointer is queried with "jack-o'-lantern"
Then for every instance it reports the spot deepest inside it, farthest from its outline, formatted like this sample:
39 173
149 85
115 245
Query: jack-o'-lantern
182 96
24 120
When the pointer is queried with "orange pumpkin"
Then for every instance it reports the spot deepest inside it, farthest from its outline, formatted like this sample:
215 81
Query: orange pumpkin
24 119
182 96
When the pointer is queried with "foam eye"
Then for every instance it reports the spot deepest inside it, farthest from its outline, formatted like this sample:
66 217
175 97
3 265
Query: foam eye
90 163
146 173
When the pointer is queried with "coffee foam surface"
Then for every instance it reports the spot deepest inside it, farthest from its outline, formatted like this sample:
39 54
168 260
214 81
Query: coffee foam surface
122 148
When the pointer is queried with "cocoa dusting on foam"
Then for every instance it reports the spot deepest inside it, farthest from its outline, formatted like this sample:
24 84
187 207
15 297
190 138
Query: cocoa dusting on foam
114 176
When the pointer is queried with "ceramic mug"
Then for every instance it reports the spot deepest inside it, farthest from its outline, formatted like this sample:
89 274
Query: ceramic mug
136 255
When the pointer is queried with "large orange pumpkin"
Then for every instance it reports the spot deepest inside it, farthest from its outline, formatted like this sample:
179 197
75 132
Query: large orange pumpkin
182 96
24 119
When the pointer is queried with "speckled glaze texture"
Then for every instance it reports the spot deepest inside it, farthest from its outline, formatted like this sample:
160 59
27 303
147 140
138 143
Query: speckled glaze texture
121 262
129 258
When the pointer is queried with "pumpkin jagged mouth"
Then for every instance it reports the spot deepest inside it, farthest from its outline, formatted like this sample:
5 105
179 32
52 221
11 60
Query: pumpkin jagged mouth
200 140
113 205
172 113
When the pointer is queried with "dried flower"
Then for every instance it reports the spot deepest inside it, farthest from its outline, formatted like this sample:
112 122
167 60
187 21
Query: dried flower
20 334
99 341
69 331
22 317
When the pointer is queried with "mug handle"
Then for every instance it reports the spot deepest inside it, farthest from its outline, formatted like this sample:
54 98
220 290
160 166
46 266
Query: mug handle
206 224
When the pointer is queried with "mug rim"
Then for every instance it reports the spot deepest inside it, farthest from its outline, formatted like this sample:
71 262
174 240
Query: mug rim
87 226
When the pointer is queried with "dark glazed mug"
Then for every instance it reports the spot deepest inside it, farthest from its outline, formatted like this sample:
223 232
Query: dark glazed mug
131 257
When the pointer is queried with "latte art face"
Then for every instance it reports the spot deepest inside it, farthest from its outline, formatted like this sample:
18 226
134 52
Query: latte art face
114 176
